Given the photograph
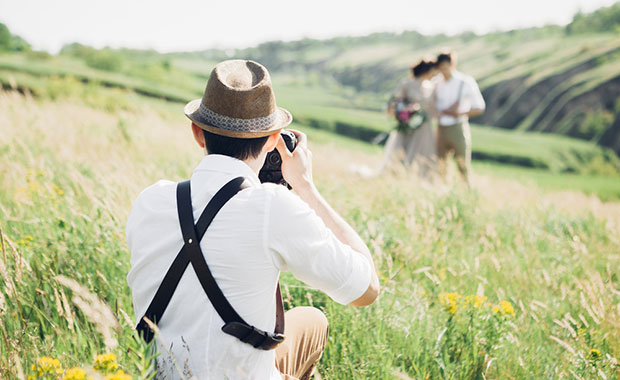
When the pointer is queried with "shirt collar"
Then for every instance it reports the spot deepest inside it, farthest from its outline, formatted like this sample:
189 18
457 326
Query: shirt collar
226 164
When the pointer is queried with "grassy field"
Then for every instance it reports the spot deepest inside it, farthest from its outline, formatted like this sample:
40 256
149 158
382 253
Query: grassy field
506 281
324 103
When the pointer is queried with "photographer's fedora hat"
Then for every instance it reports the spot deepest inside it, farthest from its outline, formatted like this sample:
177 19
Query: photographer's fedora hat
238 102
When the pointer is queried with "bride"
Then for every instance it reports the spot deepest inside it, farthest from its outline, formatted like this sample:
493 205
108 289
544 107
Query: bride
413 141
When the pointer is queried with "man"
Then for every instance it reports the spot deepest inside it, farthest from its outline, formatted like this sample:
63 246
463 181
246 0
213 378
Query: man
260 231
457 98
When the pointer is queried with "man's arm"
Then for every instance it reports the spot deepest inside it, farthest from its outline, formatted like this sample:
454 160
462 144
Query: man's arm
477 101
452 112
474 112
297 171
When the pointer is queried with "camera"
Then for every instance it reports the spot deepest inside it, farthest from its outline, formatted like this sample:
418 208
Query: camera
272 169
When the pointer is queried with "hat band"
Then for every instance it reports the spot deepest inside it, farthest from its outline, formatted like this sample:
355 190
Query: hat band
234 124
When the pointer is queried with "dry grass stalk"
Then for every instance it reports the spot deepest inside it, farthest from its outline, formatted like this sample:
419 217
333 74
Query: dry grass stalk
563 344
68 313
3 269
17 366
59 309
8 281
2 304
400 375
11 290
164 347
126 317
97 311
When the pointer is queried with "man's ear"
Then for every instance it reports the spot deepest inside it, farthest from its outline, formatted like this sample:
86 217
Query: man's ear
199 136
272 141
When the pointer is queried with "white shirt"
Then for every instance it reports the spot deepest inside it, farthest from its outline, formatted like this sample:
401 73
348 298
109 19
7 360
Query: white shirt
447 93
261 231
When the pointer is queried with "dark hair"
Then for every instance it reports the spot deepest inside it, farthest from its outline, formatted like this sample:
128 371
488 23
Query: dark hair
445 57
422 67
238 148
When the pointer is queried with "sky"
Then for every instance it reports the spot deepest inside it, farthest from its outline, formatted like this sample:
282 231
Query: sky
186 25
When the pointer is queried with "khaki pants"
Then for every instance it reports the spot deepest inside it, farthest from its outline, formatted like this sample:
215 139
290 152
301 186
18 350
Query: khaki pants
306 335
455 138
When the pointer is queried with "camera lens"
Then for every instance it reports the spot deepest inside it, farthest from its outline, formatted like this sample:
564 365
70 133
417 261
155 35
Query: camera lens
275 160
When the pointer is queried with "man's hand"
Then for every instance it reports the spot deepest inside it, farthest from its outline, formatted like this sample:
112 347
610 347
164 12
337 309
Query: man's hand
297 171
297 165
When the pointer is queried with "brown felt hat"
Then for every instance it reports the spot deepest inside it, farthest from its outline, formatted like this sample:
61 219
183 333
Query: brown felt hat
238 102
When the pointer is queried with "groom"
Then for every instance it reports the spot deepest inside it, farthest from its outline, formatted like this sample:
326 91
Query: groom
457 98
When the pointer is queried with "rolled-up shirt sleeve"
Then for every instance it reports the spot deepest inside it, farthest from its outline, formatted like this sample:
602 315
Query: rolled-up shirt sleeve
299 241
477 100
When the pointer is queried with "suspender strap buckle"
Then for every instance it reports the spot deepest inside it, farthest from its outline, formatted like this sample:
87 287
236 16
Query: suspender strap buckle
253 336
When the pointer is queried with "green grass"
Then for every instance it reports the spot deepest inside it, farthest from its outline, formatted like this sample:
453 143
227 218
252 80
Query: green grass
605 188
66 194
552 152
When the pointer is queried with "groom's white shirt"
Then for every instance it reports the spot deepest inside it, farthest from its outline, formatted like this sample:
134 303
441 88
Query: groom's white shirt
447 93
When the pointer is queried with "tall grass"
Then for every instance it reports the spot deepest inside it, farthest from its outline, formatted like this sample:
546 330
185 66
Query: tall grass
501 282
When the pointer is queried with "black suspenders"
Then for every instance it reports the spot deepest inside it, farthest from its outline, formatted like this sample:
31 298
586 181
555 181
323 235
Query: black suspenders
191 253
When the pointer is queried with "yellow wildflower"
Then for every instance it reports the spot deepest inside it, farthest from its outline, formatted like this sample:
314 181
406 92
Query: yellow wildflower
106 362
475 301
450 301
504 308
594 354
46 368
34 188
76 374
120 375
581 331
507 308
58 190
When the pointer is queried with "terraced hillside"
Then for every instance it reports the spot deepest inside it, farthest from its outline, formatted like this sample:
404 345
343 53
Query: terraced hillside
537 80
550 79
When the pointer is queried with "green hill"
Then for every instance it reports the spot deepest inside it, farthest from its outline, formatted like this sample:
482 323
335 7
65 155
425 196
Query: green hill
549 79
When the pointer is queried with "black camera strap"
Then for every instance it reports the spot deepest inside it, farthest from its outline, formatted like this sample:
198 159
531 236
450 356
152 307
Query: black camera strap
191 253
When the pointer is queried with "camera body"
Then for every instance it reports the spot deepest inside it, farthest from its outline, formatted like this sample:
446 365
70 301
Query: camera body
272 169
